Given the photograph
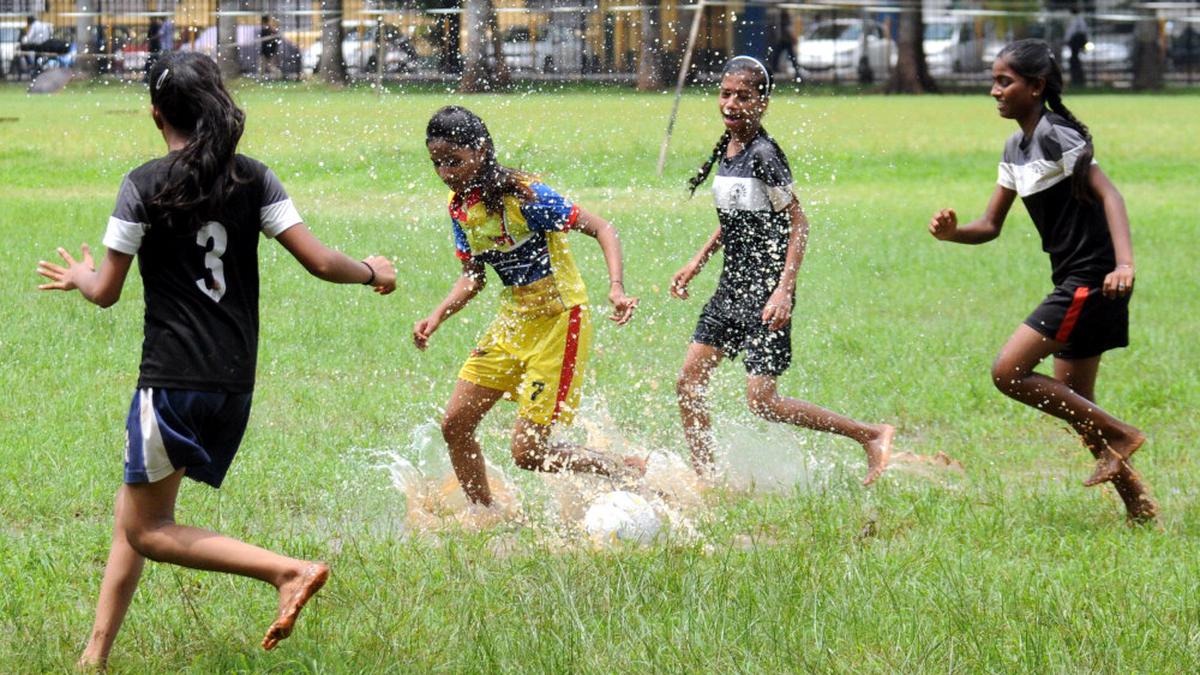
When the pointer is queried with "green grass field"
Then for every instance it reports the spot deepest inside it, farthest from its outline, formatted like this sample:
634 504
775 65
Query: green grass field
1011 566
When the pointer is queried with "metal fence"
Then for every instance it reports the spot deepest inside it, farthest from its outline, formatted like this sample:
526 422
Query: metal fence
545 39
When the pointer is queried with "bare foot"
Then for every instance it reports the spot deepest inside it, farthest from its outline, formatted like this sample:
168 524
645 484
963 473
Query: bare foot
1144 512
879 451
1108 464
635 464
292 597
91 664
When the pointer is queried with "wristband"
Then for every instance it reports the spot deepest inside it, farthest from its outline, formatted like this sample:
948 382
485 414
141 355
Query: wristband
371 281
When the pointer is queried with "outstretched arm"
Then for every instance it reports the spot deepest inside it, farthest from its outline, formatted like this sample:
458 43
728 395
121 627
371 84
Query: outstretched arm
1119 282
944 224
102 287
330 265
779 306
606 235
467 286
684 276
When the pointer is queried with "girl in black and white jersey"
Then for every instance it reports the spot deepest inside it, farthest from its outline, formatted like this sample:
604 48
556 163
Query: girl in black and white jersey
764 234
1084 227
193 219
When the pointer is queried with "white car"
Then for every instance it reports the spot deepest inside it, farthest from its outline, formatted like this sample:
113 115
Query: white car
360 50
10 38
837 48
553 49
952 47
1107 52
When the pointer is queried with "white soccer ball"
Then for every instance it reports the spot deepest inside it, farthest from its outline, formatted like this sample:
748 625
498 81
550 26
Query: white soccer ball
621 516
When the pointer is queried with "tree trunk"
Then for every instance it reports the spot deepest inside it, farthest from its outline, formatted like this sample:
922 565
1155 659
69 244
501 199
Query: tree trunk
85 32
333 64
500 74
227 49
650 76
911 75
1147 55
479 23
475 72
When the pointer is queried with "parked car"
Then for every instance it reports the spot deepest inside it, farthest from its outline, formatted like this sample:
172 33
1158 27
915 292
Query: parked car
838 47
551 49
1110 51
10 40
360 49
951 46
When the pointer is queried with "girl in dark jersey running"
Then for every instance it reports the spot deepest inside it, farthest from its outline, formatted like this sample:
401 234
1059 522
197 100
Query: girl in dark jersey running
764 233
1084 227
193 219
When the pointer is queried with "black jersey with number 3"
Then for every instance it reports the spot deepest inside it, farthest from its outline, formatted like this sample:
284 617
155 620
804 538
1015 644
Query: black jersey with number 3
201 287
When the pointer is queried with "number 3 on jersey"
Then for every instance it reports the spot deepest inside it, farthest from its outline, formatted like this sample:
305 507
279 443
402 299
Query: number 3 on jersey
212 238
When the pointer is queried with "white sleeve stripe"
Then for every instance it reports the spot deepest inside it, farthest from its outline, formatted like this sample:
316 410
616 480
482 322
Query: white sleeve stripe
781 196
124 236
1071 156
277 217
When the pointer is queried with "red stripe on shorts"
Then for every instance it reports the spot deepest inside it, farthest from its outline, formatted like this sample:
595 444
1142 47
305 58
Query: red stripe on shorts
1068 324
568 365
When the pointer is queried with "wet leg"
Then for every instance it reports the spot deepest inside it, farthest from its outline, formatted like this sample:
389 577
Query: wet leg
532 450
468 404
1013 375
691 389
876 439
1080 376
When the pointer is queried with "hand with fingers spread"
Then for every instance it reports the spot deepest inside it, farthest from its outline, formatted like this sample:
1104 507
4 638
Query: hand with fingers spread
778 311
679 282
385 274
66 278
944 225
1119 282
623 305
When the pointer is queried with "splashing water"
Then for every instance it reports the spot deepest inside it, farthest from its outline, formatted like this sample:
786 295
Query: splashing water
435 500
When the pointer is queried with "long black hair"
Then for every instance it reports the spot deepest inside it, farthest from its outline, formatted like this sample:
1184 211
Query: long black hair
458 126
186 89
1033 60
760 78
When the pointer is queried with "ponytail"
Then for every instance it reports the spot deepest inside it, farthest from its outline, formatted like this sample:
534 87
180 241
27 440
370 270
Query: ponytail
1081 188
186 89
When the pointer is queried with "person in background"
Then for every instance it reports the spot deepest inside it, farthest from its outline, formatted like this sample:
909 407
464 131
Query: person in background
1077 39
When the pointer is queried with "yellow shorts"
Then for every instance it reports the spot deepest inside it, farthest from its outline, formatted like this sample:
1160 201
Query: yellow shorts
536 361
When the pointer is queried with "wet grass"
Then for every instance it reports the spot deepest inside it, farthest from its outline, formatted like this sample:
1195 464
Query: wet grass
1012 567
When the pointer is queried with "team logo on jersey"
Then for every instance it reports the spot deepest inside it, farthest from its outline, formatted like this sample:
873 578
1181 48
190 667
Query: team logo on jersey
736 192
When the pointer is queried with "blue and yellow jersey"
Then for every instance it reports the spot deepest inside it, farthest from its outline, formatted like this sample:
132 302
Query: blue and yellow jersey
526 243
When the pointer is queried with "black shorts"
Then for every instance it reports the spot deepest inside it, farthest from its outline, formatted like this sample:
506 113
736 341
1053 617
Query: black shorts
767 352
172 429
1080 317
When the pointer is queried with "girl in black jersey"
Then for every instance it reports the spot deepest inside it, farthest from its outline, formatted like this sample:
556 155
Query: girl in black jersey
1084 227
193 219
764 233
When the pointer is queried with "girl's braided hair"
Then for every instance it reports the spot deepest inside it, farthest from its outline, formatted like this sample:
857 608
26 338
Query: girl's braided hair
762 81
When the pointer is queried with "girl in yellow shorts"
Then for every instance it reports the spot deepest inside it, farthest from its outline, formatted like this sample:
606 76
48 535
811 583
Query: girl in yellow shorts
536 349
